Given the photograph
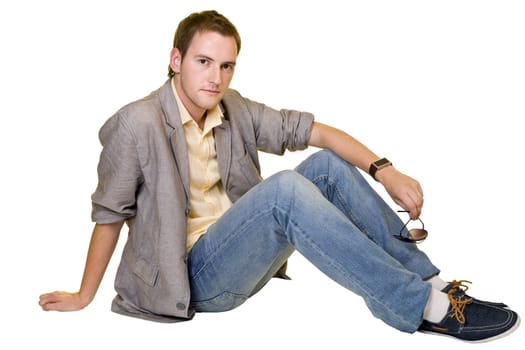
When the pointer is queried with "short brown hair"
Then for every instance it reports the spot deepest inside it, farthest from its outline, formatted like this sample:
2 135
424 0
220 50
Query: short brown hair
202 22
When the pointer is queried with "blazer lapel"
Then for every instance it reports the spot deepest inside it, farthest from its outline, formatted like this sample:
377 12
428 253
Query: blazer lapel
223 143
180 153
176 136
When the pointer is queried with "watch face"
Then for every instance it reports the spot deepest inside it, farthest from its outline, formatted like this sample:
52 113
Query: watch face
381 162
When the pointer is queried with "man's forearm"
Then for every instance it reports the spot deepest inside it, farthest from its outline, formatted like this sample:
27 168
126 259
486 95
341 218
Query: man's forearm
103 242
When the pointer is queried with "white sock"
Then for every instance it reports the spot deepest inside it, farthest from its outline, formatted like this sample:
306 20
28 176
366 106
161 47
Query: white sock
437 282
437 306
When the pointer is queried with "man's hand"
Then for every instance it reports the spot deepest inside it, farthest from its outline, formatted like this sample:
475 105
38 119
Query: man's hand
62 301
405 191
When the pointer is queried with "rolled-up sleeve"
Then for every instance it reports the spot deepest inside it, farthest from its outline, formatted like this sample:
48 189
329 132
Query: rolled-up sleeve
281 130
296 129
119 175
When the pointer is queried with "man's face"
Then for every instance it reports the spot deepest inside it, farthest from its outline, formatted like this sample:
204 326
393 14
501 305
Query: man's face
205 73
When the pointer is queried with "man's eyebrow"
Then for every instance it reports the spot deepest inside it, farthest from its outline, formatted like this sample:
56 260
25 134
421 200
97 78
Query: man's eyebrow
204 57
233 63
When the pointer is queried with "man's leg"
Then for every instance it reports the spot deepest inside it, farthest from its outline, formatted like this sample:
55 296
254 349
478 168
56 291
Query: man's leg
344 186
252 240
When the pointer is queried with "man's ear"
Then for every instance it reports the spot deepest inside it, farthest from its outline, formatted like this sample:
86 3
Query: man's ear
175 60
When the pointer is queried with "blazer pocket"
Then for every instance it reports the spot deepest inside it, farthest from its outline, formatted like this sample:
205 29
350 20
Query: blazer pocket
146 271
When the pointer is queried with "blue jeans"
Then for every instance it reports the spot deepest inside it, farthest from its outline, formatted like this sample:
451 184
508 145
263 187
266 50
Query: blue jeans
328 212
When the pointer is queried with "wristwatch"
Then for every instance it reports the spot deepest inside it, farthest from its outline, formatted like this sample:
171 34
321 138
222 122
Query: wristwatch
377 165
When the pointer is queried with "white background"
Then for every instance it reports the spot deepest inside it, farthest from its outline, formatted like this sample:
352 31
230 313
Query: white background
438 87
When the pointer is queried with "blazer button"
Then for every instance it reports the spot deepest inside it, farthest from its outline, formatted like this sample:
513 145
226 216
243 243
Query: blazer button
181 306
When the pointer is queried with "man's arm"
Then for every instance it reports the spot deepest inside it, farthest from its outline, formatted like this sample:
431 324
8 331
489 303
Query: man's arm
405 191
103 242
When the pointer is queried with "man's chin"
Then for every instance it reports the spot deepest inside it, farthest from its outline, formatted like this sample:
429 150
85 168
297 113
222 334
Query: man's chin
210 103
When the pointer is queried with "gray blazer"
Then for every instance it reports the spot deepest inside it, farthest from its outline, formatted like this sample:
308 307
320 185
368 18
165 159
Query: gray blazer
144 180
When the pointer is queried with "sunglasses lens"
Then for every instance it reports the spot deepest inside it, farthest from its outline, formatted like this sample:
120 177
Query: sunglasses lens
417 234
413 235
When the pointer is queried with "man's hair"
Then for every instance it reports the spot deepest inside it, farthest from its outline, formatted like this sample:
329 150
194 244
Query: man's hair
198 22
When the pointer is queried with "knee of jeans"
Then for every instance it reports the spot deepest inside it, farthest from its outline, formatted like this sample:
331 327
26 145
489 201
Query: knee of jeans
320 161
287 180
287 184
335 161
326 162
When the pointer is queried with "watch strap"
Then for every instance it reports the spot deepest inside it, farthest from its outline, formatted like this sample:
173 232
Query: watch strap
377 165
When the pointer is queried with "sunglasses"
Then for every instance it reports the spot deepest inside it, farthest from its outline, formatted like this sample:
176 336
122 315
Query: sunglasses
415 235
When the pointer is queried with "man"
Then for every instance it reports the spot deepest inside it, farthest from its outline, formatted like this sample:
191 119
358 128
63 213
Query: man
206 232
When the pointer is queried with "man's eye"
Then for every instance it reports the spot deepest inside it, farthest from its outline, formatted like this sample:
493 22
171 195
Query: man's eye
203 61
227 67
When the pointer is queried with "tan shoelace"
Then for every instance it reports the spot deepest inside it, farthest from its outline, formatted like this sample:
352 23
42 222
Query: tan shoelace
460 284
458 304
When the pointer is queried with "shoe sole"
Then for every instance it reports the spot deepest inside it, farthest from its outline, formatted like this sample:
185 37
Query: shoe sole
504 334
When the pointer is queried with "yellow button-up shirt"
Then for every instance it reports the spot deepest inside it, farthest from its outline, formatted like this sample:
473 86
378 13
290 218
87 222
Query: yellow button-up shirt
208 199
